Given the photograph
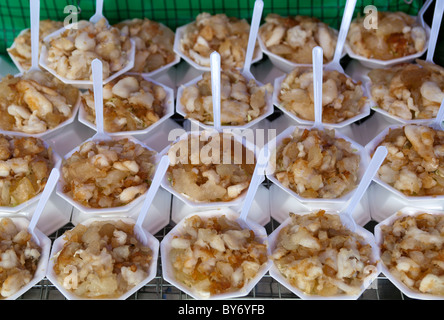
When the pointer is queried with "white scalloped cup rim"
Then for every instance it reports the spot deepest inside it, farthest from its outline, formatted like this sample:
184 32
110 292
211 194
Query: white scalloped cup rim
84 84
124 209
316 203
371 147
166 184
56 159
365 234
365 111
168 271
153 243
403 212
13 57
168 113
45 245
181 110
177 49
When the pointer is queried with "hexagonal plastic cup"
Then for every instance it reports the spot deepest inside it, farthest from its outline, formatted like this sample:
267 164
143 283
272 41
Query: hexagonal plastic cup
168 270
346 220
45 245
315 203
405 289
153 243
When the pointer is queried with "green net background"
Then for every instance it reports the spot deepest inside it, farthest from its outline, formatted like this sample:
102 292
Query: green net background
14 14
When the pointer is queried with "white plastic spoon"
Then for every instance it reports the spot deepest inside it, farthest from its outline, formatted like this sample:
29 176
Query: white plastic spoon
99 13
215 89
49 187
375 163
97 74
343 31
437 122
158 176
317 86
256 179
434 32
254 28
34 6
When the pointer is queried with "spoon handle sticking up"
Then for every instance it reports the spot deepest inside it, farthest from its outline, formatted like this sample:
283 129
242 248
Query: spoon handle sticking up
256 179
375 163
160 172
215 89
49 187
34 6
254 28
343 31
99 12
317 85
437 122
434 32
98 94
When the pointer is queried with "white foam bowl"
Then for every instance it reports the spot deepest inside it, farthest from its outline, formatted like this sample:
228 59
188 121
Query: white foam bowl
166 184
180 32
315 203
56 160
84 84
282 63
168 112
45 245
418 200
101 211
153 243
168 271
406 211
368 238
365 111
180 108
377 63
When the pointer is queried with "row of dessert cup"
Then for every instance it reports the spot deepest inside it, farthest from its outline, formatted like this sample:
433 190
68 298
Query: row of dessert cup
287 65
169 276
229 295
46 263
168 273
227 211
279 62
